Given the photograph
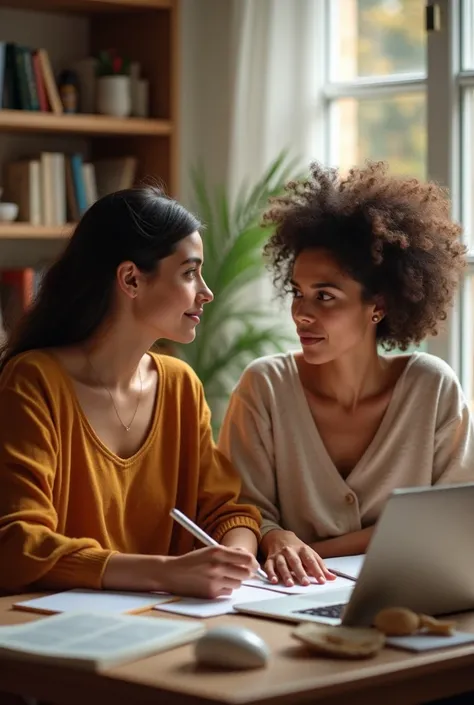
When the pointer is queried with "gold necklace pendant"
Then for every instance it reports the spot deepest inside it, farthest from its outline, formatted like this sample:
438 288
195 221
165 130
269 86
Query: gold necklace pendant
125 426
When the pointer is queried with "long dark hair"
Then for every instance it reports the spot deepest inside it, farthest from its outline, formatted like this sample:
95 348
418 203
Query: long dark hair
141 225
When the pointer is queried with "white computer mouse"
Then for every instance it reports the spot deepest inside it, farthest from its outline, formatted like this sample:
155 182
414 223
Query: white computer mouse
231 647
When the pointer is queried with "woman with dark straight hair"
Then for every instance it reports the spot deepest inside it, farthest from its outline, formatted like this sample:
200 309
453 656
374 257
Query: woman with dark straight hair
100 438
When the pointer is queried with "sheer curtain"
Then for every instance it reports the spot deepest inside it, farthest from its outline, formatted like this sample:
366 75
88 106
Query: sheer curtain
251 72
251 76
277 65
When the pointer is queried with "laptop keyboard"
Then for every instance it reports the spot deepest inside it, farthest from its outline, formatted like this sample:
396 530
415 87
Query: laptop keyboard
332 611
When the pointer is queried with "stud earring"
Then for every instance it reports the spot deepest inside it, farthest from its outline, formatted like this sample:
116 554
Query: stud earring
375 318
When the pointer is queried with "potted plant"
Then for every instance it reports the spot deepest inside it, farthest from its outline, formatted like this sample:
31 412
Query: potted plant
235 328
114 95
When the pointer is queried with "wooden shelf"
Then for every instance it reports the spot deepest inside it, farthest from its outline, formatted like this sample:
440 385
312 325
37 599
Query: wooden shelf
103 125
147 31
88 6
26 231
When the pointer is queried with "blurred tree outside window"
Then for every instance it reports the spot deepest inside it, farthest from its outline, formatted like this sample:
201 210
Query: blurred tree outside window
376 84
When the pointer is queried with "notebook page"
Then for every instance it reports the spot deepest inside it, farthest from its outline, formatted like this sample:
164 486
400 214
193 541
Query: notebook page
347 566
313 588
90 636
195 607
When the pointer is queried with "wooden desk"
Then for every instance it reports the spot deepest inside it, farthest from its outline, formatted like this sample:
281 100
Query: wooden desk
292 677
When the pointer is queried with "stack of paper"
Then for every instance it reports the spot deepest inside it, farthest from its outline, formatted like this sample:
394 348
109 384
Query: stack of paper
103 601
251 591
195 607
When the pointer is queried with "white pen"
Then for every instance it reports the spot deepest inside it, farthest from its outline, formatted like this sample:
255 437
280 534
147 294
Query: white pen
202 536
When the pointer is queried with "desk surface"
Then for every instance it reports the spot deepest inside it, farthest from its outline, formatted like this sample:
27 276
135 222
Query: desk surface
293 676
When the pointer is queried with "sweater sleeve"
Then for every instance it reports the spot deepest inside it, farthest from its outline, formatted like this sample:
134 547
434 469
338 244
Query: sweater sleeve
246 440
219 510
32 552
454 445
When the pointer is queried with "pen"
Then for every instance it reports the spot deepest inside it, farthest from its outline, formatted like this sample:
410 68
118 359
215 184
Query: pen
202 536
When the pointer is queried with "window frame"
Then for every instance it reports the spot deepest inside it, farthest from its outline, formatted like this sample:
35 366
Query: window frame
444 83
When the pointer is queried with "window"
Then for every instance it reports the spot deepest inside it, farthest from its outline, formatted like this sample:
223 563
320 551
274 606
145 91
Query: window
397 91
463 40
376 83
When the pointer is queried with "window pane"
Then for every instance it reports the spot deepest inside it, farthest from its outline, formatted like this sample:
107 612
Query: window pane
376 38
467 340
389 128
467 153
467 34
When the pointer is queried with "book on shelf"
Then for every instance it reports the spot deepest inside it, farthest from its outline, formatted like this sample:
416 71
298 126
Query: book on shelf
54 188
18 288
27 80
93 640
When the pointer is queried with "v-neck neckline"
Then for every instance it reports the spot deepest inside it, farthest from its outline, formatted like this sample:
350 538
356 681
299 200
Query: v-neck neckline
93 435
308 419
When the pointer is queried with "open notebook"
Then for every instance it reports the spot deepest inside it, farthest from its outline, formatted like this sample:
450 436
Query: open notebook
95 641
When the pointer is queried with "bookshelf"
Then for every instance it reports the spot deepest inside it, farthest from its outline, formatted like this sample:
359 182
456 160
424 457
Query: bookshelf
26 231
144 30
92 125
88 5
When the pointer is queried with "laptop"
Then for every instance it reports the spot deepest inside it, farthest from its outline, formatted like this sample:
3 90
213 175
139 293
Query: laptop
421 557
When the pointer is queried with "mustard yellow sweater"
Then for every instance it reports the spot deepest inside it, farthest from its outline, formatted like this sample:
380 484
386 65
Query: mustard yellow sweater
67 502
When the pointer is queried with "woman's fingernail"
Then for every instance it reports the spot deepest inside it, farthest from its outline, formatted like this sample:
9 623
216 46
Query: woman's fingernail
289 583
305 581
274 579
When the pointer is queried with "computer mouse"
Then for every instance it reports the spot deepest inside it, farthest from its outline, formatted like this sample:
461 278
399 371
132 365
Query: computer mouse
231 647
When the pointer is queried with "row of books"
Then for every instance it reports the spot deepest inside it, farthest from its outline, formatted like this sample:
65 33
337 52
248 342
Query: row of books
27 80
56 188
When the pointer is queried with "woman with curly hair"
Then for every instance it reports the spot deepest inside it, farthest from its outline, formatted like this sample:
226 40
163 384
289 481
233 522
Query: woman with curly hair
321 437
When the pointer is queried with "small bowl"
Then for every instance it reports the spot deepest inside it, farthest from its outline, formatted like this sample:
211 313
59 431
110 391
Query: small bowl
8 212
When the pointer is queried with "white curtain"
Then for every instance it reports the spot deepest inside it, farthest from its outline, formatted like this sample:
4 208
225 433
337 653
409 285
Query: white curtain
276 69
250 86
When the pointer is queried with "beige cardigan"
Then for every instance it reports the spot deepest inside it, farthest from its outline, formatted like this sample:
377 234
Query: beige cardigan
426 437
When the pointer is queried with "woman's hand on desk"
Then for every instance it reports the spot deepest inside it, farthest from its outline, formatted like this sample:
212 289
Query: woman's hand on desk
208 572
289 559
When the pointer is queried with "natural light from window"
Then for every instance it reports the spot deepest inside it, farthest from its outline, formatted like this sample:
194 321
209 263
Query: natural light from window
376 83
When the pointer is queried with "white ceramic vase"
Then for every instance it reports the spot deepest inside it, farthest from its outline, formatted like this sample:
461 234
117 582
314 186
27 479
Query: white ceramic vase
114 95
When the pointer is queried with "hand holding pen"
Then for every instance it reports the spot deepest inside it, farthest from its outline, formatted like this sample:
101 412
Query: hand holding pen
198 533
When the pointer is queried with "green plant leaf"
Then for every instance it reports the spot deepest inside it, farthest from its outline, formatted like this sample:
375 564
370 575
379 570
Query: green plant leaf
249 344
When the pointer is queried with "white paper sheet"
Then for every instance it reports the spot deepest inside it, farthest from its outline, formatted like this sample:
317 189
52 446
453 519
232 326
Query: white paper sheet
347 566
195 607
311 589
107 602
429 642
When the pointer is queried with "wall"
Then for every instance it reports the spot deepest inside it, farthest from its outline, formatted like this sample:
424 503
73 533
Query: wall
206 90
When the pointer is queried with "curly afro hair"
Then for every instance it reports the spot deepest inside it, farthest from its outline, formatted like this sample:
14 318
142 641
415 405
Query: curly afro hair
392 235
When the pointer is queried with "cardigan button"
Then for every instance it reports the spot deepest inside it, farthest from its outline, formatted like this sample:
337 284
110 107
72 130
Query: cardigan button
350 499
